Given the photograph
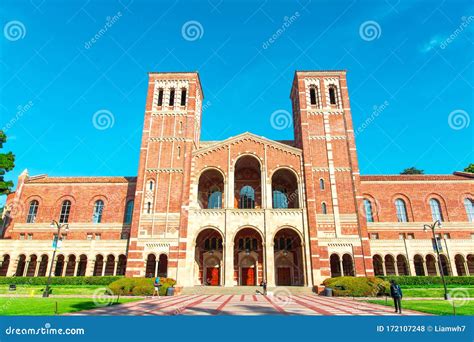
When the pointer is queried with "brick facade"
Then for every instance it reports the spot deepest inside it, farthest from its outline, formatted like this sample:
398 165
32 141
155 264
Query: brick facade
245 209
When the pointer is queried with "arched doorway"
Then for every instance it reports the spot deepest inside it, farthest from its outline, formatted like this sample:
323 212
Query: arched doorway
284 189
81 268
378 265
335 262
248 257
71 265
288 256
122 264
5 263
390 265
431 265
402 265
43 265
348 265
109 265
163 265
58 270
20 268
211 189
445 265
208 258
247 183
150 267
98 265
30 272
460 265
418 262
470 263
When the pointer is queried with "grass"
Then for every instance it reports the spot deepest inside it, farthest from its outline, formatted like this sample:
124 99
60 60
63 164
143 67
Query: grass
57 289
10 306
434 292
436 307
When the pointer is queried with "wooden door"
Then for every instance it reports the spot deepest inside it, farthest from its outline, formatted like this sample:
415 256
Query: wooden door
213 276
248 276
284 276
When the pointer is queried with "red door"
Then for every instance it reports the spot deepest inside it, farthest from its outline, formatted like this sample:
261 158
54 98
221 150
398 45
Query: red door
284 277
248 276
213 276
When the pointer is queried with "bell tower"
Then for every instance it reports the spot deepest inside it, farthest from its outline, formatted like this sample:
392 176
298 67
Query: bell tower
171 132
323 130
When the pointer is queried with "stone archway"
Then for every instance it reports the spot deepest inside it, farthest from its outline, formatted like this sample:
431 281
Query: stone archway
248 257
208 258
288 256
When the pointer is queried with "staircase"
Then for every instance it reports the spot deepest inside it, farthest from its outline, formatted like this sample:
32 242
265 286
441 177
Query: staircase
245 290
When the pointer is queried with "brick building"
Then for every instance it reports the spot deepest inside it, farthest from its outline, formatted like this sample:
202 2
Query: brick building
244 209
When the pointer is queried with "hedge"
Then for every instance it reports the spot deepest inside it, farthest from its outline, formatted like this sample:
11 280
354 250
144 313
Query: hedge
357 286
105 280
428 280
140 286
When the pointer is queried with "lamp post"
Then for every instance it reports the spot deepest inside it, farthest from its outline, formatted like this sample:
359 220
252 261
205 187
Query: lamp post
433 226
58 226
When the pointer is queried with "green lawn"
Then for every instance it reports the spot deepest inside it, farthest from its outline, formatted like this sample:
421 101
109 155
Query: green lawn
437 291
437 307
47 306
57 289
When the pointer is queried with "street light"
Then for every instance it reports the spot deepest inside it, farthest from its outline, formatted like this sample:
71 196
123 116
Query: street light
58 226
433 226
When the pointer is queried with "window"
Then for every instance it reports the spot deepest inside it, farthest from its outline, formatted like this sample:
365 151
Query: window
171 103
215 199
324 208
32 212
179 151
368 211
374 236
436 213
148 207
150 185
332 95
98 209
160 97
65 210
469 205
446 236
247 197
180 127
97 236
280 199
401 210
321 184
129 212
89 237
183 97
22 236
313 96
401 236
410 236
30 236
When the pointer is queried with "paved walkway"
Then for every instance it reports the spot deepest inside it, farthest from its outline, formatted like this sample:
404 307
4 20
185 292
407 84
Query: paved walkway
245 305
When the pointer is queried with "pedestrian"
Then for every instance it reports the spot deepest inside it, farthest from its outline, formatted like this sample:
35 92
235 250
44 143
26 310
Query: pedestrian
263 284
397 295
157 286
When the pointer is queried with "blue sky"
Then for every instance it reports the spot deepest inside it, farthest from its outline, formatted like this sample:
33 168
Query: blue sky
52 84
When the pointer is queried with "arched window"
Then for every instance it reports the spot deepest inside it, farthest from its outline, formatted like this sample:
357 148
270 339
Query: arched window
215 199
368 210
332 95
401 210
322 186
98 209
148 207
150 185
32 212
247 197
324 208
313 96
65 210
129 212
280 199
469 205
160 97
179 151
171 103
436 213
180 126
183 97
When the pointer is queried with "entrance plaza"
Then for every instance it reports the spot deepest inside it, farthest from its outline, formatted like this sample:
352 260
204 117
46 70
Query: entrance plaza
212 305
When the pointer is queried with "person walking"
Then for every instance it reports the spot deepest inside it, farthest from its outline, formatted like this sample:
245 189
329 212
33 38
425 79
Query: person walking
397 295
263 284
157 286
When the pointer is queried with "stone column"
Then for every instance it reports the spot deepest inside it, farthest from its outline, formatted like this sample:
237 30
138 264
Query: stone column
115 268
25 270
438 272
48 266
75 268
341 266
90 267
63 272
104 263
383 267
270 262
38 262
425 269
12 267
157 263
229 262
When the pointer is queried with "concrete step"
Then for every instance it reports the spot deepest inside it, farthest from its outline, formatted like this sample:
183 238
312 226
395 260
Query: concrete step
236 290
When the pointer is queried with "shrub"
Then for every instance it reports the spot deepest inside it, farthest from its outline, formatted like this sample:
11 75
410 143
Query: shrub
428 280
106 280
357 286
139 286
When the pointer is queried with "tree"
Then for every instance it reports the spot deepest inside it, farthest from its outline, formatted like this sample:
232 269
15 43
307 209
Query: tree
412 171
7 163
470 168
